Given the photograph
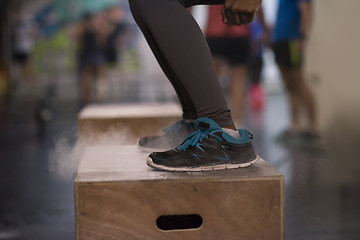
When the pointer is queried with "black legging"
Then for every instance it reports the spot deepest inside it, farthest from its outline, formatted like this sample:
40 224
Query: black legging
183 54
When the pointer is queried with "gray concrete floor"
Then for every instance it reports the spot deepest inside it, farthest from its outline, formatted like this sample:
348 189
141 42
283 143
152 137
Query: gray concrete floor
320 202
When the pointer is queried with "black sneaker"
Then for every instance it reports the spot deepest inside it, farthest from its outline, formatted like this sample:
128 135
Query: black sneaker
208 148
172 137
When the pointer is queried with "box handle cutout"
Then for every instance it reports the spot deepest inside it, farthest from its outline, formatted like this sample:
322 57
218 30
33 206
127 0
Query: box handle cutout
179 222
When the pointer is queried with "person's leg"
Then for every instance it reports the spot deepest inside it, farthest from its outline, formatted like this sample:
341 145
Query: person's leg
256 92
309 102
237 92
238 56
217 46
304 98
182 52
86 84
289 81
101 82
289 58
285 60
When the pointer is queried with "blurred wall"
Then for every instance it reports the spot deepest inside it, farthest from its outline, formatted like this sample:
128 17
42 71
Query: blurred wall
333 69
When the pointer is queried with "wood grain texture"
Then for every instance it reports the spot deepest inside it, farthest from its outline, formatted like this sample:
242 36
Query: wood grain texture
118 197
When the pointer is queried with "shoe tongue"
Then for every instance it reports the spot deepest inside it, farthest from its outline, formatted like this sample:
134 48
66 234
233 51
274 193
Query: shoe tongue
206 124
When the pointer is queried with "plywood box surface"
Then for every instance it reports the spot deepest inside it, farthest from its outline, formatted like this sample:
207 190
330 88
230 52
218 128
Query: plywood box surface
135 120
117 196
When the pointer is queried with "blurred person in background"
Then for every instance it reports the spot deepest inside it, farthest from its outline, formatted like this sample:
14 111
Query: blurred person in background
24 32
116 24
231 44
289 37
91 35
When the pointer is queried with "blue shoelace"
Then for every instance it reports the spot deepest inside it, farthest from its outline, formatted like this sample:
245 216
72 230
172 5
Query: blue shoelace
196 137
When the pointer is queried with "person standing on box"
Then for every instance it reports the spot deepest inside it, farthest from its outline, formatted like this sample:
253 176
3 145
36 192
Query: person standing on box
212 141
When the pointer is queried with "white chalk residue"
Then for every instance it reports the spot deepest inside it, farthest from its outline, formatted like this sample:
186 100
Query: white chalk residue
64 158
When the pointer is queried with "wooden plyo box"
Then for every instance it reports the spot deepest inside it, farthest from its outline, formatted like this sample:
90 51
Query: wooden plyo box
135 120
117 196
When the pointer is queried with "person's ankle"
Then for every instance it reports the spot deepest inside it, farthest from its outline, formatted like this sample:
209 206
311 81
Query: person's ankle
232 127
231 132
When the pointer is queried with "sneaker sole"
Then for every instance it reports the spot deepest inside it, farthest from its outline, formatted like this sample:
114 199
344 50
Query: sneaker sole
150 163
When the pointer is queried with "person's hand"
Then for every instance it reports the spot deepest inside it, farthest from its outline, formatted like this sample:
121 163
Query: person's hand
237 12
